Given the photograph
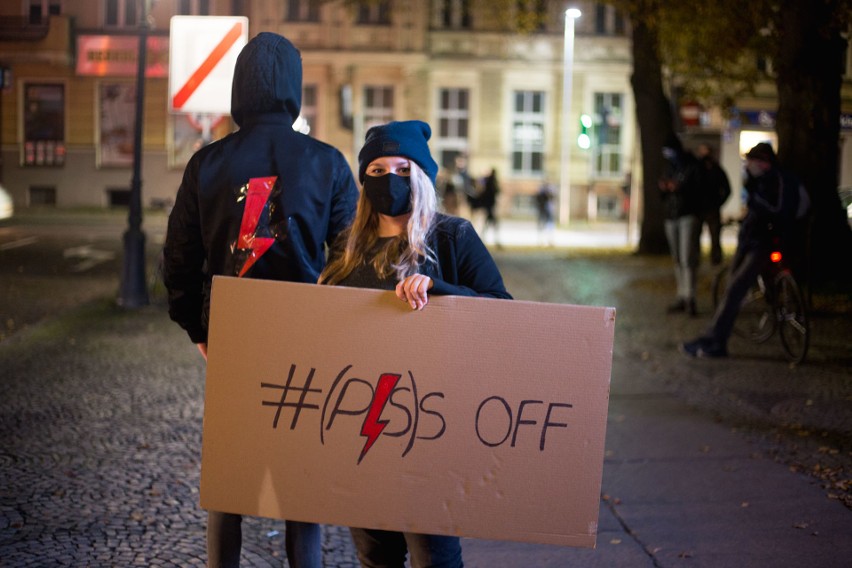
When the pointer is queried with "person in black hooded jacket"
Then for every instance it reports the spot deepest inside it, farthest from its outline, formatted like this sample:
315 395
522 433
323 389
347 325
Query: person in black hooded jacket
263 202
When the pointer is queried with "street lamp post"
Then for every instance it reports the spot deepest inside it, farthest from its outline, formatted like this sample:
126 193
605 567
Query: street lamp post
571 14
134 288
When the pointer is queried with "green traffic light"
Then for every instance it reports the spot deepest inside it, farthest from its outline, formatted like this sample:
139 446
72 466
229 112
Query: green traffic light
584 141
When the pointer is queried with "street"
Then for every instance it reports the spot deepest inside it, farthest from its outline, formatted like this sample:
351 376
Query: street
100 411
50 263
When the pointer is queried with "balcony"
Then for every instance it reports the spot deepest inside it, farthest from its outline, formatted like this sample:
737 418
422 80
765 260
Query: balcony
23 28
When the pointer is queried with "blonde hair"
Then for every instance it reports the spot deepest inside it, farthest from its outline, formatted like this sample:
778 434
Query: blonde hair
401 255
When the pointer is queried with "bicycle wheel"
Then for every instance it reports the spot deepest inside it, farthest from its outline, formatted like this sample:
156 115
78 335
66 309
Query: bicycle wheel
756 319
794 328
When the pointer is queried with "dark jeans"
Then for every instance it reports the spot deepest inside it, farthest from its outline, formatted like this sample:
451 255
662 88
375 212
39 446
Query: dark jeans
713 220
303 542
746 266
387 549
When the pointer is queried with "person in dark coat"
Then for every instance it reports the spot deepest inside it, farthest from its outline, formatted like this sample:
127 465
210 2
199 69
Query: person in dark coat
679 192
488 201
263 202
774 203
400 242
545 207
714 189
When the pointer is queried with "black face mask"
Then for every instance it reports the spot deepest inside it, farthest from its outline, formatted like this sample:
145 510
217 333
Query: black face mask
389 194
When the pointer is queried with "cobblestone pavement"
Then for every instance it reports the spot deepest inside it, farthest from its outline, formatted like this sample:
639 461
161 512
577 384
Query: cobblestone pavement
101 448
101 414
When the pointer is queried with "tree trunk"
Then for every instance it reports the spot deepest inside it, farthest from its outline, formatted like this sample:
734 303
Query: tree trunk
808 66
654 115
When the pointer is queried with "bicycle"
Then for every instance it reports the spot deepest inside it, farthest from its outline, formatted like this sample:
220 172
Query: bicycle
775 301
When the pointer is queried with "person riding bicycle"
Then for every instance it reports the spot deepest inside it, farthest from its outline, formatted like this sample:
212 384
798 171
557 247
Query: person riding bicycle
775 201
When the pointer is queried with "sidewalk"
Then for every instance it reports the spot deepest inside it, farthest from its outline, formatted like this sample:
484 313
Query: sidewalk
681 490
101 411
513 232
579 234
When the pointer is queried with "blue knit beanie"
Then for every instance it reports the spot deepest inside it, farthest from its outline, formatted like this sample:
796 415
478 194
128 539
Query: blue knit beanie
407 138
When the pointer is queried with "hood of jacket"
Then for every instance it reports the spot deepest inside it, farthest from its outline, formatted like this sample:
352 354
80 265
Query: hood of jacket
267 79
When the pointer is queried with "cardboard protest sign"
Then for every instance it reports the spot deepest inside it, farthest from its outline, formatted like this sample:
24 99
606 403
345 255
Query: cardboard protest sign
473 417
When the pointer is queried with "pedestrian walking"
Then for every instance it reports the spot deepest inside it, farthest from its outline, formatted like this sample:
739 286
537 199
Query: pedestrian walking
465 183
545 207
398 241
714 189
679 192
488 201
263 202
775 200
450 198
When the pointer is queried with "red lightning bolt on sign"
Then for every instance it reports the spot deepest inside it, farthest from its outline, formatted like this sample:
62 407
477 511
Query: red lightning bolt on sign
207 65
256 198
372 426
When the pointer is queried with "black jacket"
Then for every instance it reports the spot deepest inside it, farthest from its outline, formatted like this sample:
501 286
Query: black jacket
773 203
681 174
713 185
307 194
465 267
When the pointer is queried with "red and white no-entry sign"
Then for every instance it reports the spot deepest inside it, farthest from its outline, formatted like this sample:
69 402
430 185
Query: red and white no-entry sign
202 53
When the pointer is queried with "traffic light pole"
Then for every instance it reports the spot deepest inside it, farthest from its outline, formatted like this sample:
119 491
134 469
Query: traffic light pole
134 287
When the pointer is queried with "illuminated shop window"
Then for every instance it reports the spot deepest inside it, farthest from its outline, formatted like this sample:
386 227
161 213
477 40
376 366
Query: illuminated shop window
44 124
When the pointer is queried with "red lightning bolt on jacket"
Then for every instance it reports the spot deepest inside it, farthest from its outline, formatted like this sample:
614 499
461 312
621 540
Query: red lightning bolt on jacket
256 199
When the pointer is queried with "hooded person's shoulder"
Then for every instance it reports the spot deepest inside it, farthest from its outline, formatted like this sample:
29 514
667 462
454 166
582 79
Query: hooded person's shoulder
320 146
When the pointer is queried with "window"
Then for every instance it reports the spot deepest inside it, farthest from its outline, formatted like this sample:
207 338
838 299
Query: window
528 133
307 121
378 106
619 28
607 142
42 195
117 102
303 10
533 13
239 8
377 14
600 19
121 13
453 118
454 13
40 9
608 20
193 7
118 197
44 125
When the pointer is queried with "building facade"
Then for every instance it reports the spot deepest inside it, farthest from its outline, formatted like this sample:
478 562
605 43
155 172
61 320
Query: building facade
494 97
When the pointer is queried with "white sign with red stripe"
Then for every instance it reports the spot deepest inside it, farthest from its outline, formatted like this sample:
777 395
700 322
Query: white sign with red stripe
202 53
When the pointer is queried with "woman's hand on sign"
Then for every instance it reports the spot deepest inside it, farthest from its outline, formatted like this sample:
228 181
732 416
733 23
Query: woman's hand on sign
202 347
413 289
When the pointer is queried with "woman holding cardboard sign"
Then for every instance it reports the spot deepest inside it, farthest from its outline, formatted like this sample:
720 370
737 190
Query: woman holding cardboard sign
398 241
